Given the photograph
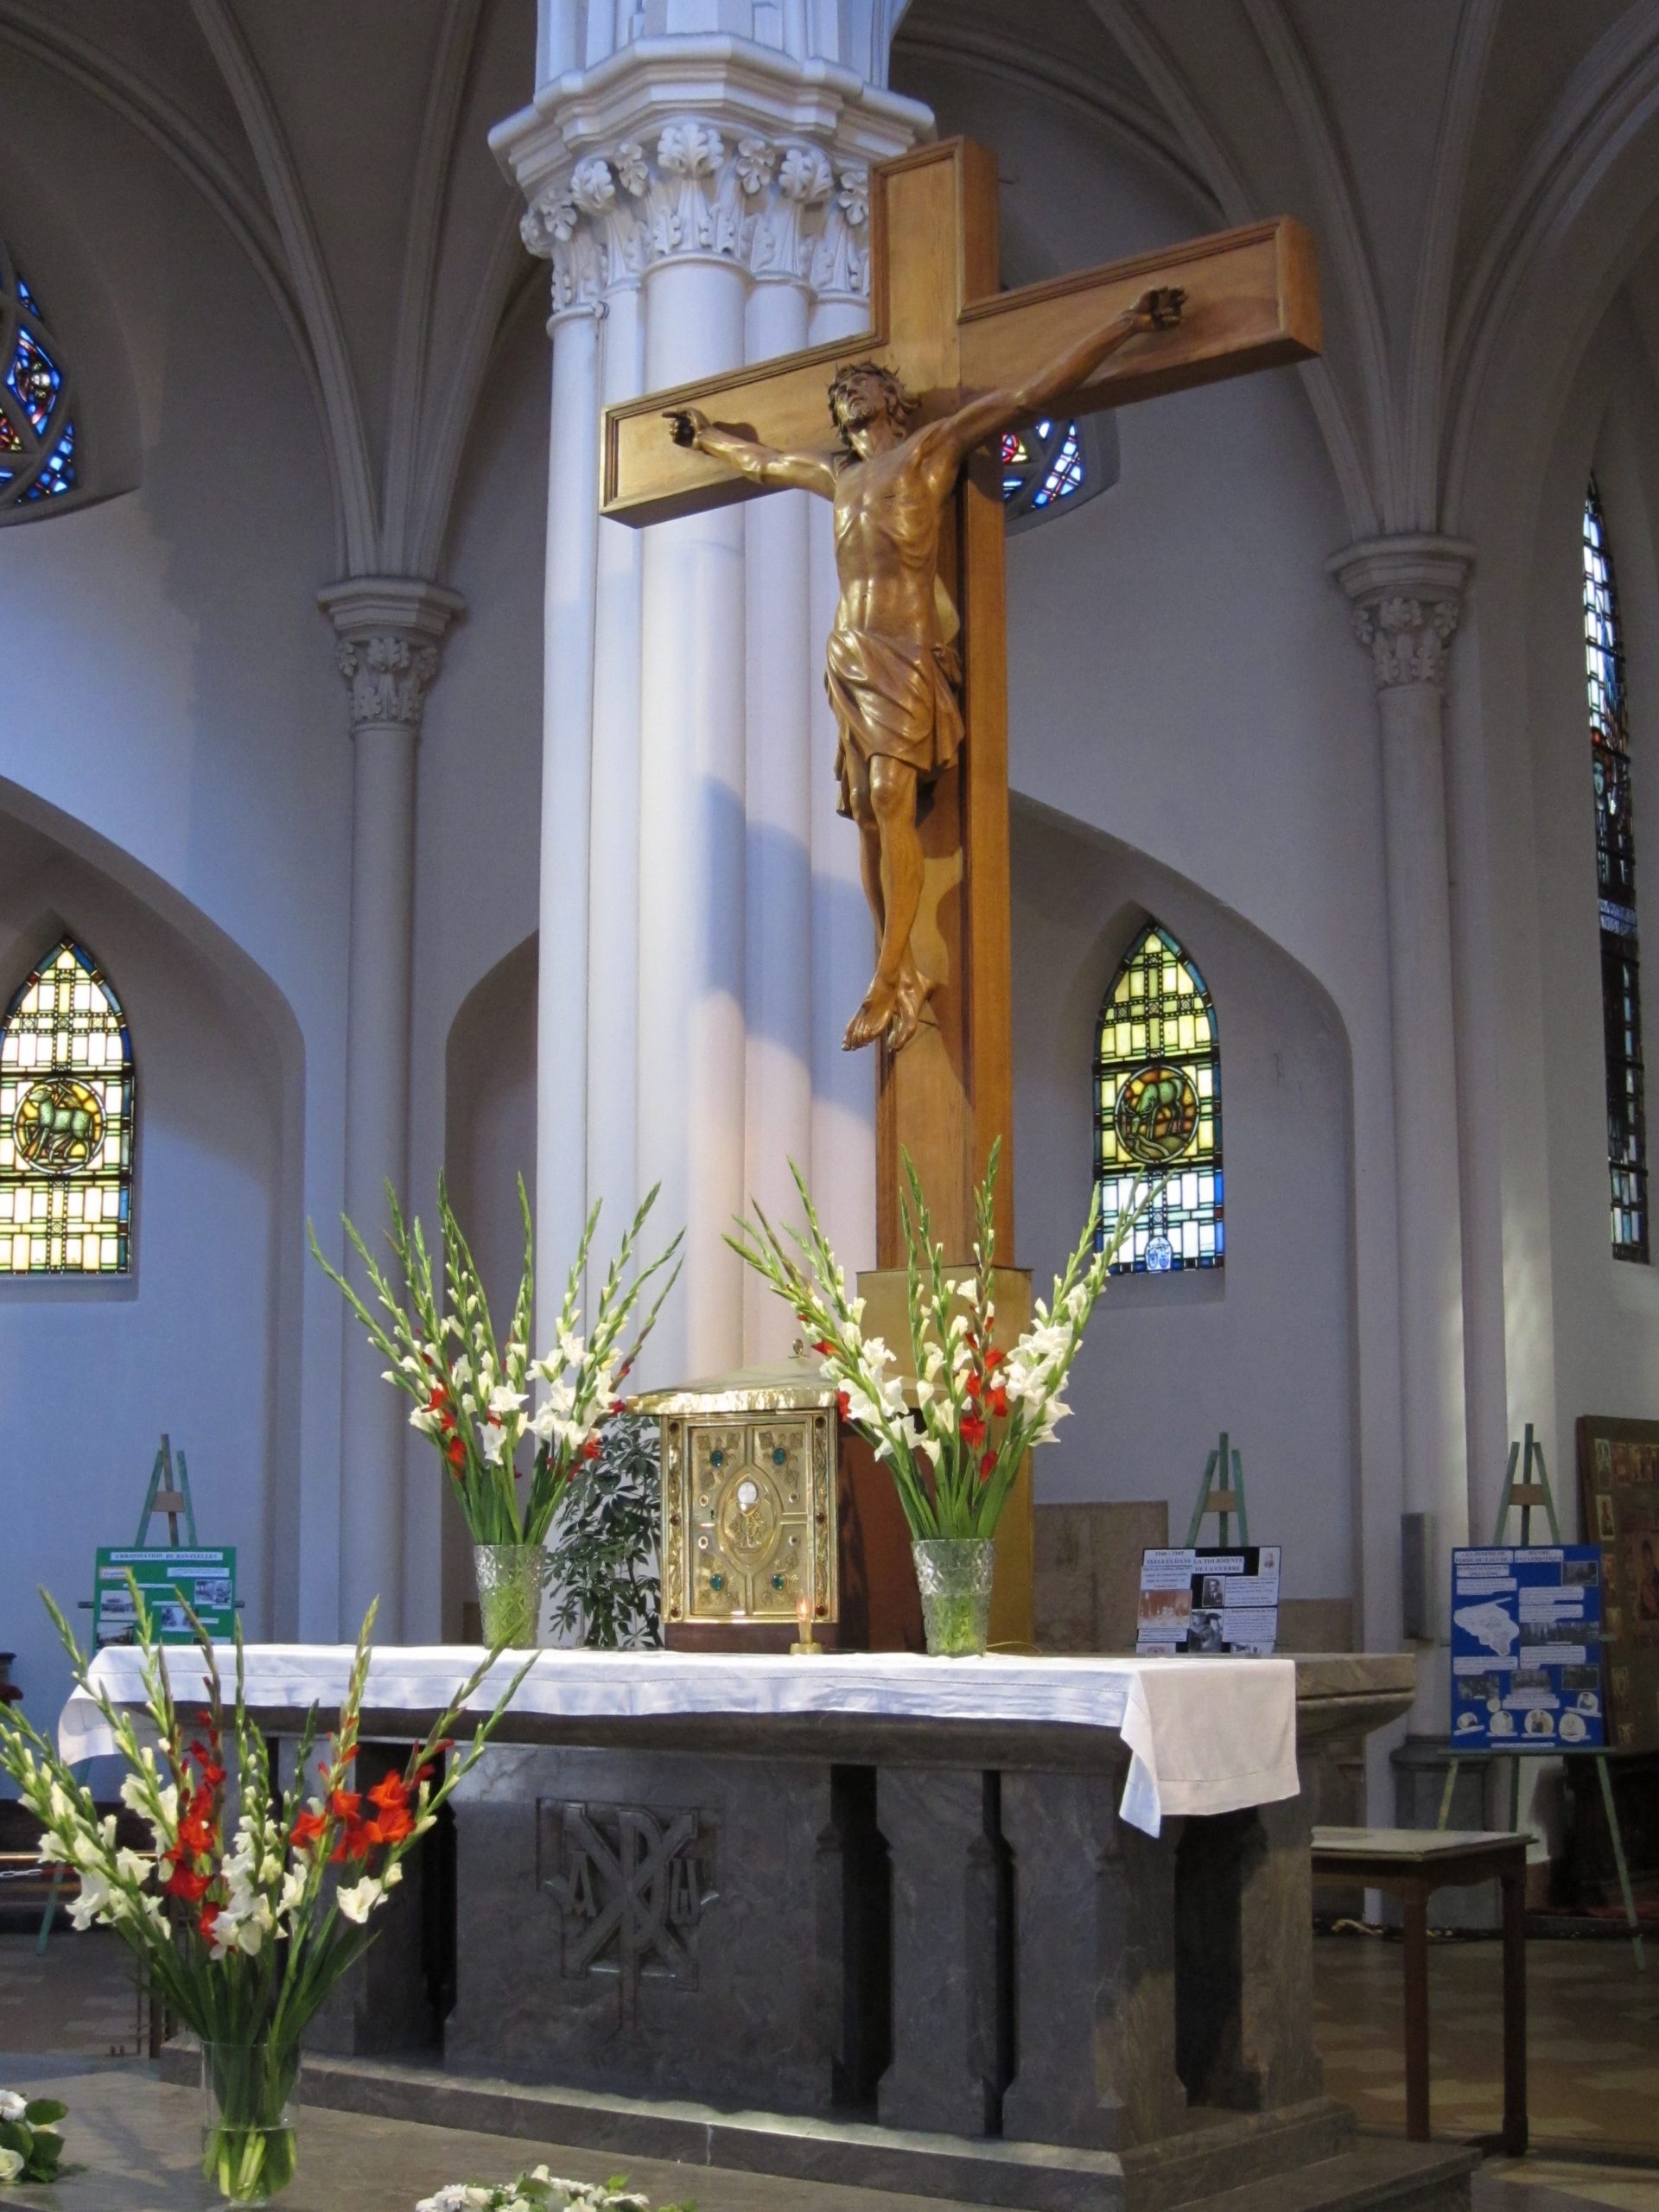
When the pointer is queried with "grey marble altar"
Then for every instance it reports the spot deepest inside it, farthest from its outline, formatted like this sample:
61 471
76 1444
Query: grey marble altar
909 1955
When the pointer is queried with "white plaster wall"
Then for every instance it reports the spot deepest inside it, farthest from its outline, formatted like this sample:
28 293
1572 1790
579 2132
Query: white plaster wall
476 858
90 1374
171 686
1262 1346
1605 1311
489 1139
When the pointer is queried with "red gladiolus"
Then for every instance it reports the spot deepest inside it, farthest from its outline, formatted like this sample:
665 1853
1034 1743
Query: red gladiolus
356 1839
192 1887
389 1791
344 1803
987 1465
843 1405
823 1348
973 1430
209 1915
456 1453
308 1828
619 1405
973 1384
998 1401
994 1360
590 1450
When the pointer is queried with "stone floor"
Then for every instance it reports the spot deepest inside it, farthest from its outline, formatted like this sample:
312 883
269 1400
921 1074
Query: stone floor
1593 2042
1594 2081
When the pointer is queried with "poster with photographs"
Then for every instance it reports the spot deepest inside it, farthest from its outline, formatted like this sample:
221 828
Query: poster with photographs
1200 1599
1619 1486
1526 1647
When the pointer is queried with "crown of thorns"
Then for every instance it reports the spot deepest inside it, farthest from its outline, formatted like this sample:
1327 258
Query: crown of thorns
900 404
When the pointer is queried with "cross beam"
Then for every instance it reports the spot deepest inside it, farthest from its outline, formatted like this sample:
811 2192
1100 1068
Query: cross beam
938 321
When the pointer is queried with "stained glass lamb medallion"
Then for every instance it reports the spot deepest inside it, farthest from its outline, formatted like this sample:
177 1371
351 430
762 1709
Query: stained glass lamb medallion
1621 964
1157 1108
66 1124
37 432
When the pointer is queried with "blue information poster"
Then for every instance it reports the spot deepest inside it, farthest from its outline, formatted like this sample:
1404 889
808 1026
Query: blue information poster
1526 1647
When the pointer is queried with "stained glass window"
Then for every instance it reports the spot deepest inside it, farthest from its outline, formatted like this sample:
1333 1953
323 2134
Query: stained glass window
1621 971
66 1124
1041 467
1157 1108
37 432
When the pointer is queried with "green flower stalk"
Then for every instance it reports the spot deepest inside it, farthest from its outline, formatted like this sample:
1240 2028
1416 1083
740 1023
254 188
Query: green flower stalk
244 1929
953 1438
473 1395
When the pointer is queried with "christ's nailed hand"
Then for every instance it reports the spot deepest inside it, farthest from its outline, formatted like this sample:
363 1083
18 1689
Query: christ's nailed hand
1159 309
686 424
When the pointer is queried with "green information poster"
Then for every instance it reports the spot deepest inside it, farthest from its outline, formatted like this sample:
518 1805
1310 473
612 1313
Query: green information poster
202 1578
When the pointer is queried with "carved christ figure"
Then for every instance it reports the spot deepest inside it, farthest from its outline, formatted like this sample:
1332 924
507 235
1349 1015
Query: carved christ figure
891 672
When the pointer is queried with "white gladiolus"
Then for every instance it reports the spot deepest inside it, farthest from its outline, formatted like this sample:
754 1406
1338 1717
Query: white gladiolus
360 1901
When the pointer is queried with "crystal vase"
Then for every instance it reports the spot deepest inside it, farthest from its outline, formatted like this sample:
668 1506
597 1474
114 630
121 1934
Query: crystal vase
247 2137
953 1574
513 1582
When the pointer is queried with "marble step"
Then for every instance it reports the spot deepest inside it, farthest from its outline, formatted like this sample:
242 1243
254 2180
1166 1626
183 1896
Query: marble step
1377 2175
1271 2155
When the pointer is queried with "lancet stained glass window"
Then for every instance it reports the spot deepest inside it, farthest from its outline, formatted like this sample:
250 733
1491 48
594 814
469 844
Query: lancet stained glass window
66 1124
1158 1107
1621 965
1041 466
37 432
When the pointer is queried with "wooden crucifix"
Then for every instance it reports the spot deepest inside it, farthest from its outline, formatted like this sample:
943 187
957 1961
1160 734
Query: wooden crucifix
1218 306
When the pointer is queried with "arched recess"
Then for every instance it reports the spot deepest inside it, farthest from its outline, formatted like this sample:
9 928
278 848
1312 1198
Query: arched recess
489 1141
202 1339
1266 1349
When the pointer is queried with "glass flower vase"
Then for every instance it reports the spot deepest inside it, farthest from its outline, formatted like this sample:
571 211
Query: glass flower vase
247 2137
512 1584
953 1574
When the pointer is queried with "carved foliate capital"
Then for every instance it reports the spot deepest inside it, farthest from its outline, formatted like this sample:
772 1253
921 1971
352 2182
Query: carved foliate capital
1408 638
389 629
388 677
1407 598
778 206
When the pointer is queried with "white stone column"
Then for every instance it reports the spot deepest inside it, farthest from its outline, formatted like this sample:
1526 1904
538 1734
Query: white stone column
614 877
1407 595
389 629
779 763
561 1024
695 187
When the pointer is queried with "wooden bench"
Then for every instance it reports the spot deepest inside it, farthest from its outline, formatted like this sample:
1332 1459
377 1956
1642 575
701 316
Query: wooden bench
1412 1863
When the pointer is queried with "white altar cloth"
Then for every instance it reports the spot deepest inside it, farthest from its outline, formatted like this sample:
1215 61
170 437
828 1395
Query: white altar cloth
1205 1734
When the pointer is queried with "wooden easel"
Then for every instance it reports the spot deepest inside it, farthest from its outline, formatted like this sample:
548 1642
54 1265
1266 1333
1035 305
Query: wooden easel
1217 1494
1533 1491
169 1496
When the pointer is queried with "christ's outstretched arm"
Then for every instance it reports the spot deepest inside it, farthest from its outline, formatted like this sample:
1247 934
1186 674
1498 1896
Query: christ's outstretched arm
993 411
690 426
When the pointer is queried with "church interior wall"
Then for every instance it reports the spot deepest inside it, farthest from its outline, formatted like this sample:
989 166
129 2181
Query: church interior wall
1262 1347
476 846
198 1340
489 1139
1604 1311
170 682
